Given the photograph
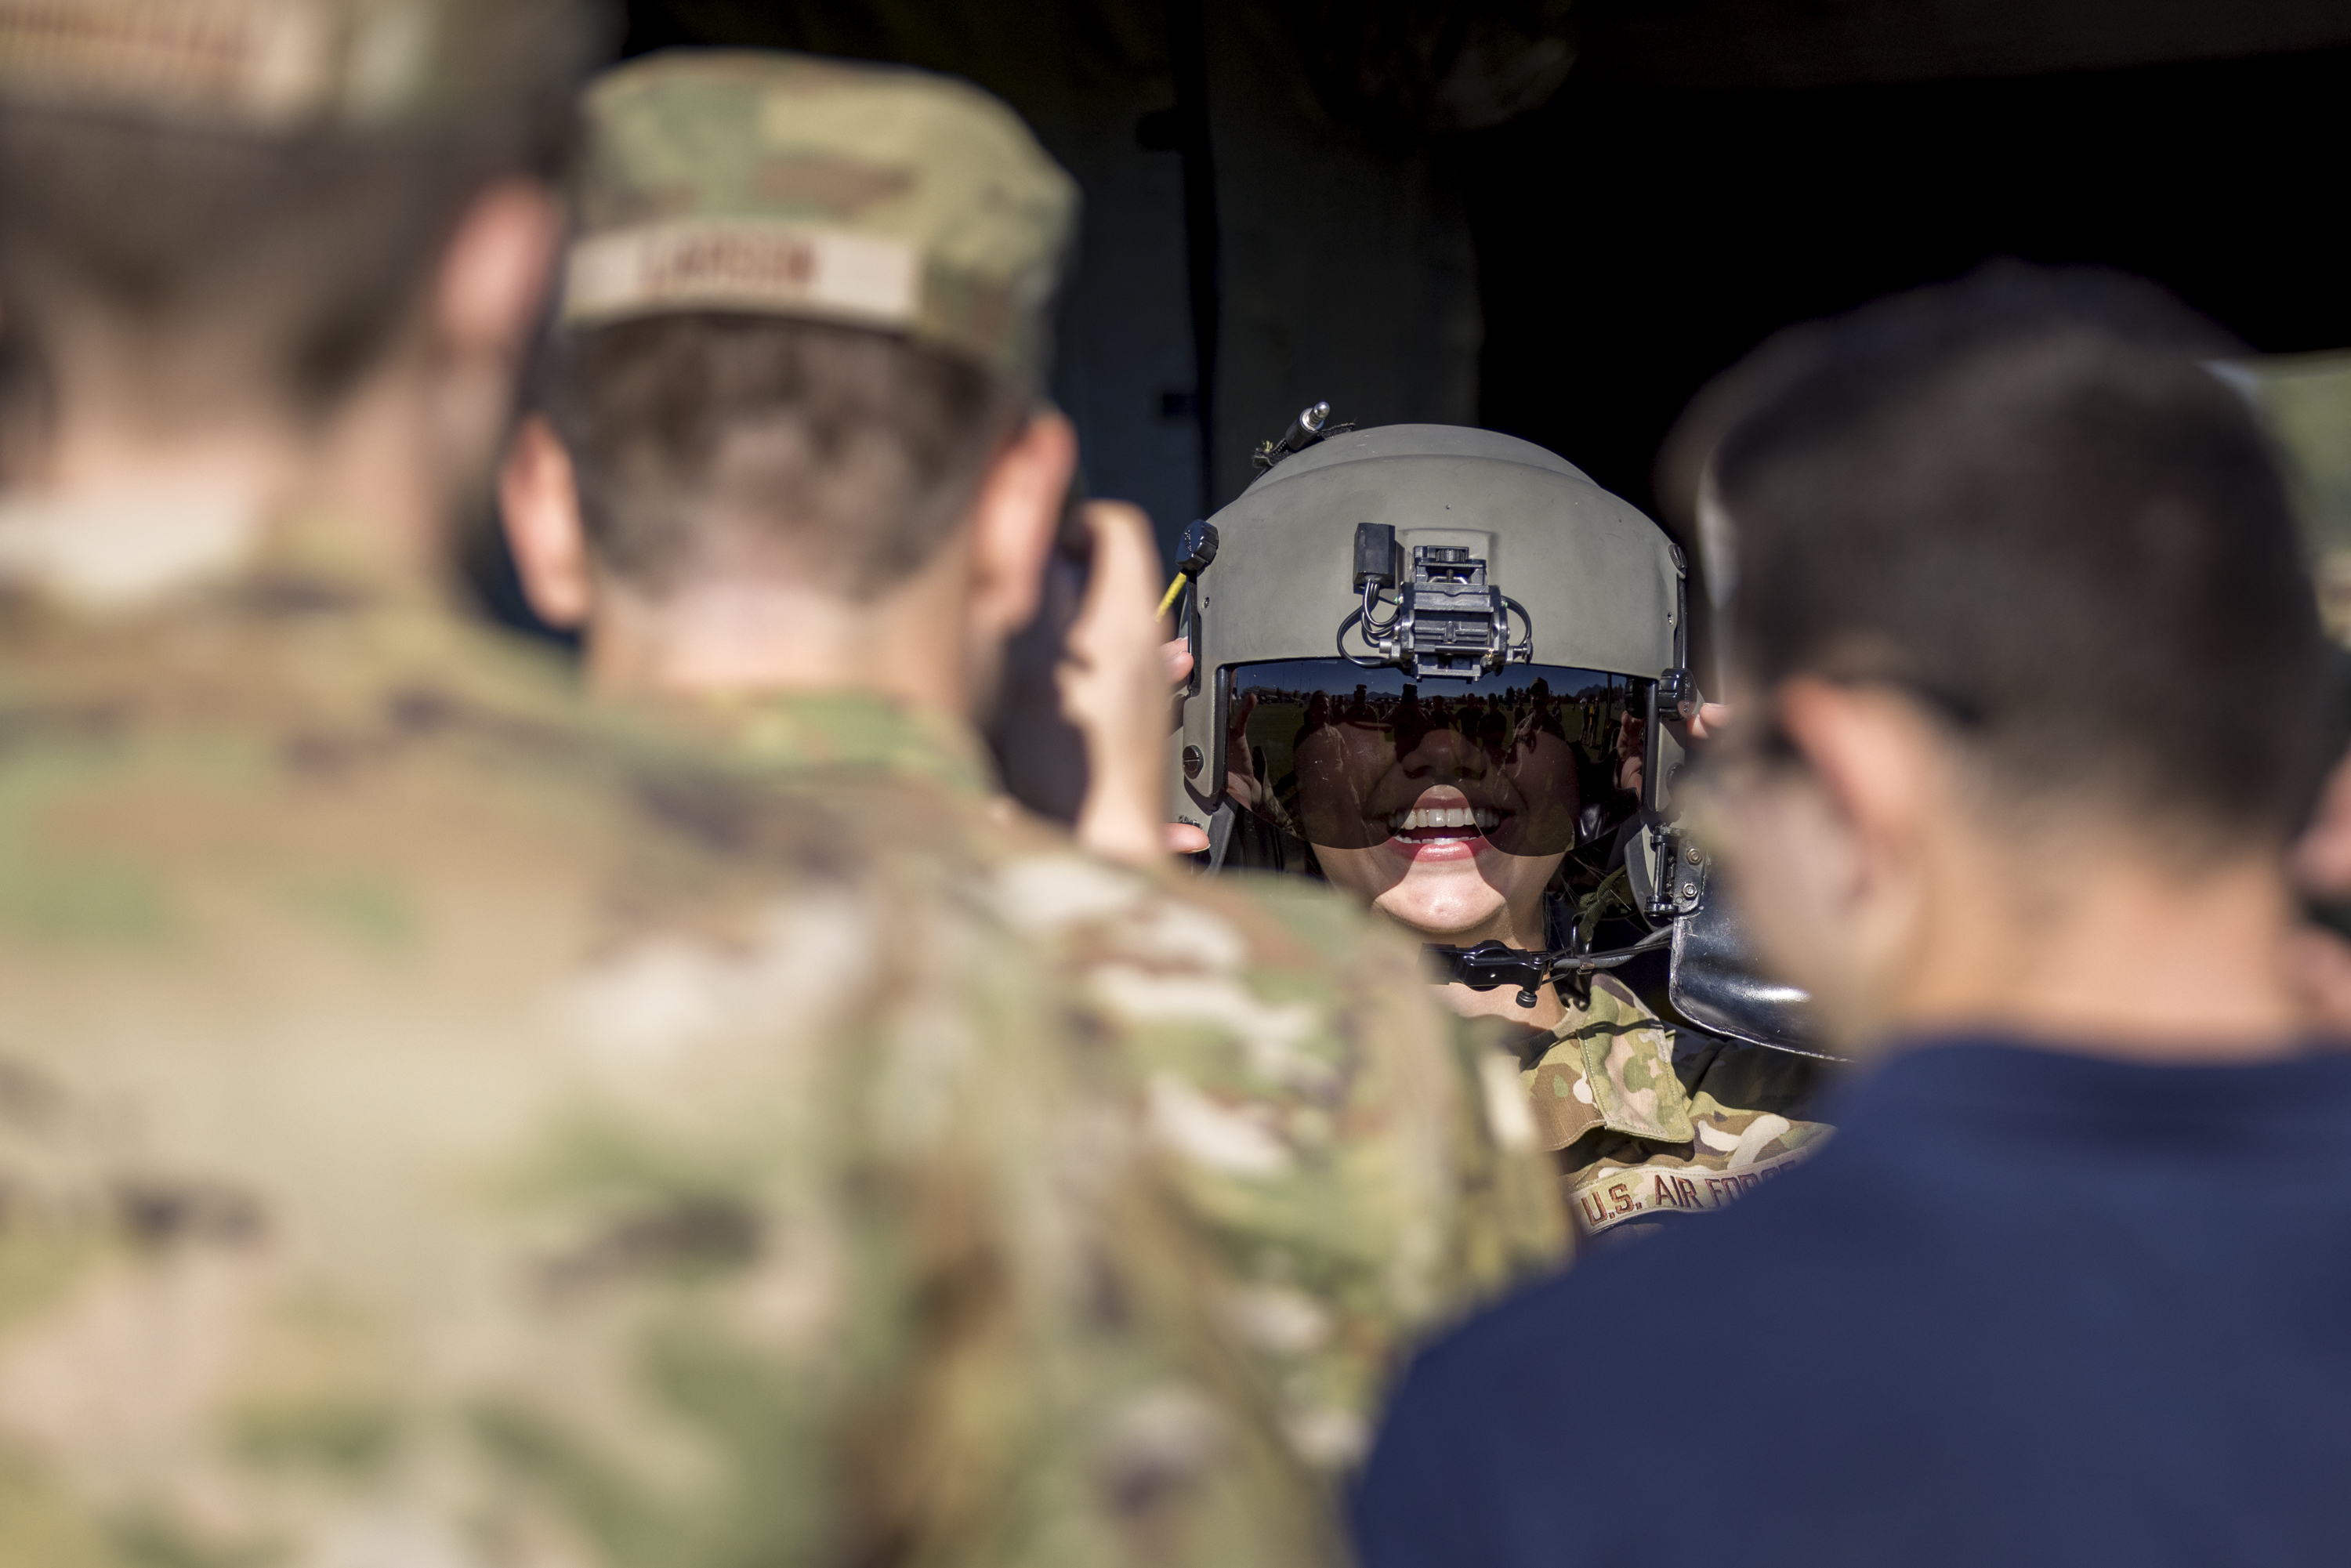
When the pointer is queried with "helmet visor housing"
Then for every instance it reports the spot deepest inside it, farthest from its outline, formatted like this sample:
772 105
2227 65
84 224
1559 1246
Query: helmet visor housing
1346 756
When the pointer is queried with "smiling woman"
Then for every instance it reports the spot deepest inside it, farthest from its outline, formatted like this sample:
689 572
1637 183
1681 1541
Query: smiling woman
1443 672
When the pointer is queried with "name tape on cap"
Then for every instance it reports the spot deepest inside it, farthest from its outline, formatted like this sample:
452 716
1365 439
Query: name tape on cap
742 264
262 59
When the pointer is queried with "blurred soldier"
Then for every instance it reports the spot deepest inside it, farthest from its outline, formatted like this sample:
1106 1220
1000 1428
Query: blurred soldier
438 1125
797 486
2031 687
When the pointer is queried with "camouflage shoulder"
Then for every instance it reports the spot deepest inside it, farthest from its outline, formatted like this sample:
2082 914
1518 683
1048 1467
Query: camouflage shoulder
490 1122
1510 1222
1304 1098
1613 1058
1514 1224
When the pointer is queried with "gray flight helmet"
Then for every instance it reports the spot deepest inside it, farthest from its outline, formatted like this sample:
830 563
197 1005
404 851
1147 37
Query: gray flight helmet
1449 556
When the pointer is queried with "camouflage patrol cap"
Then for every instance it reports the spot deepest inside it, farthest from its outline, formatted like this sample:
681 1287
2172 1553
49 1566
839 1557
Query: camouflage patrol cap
288 65
780 185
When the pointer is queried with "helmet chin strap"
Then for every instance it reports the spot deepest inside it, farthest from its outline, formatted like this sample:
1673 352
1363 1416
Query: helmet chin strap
1492 963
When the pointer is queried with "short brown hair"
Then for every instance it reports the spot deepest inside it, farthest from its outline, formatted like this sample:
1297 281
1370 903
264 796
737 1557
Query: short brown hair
852 454
2021 497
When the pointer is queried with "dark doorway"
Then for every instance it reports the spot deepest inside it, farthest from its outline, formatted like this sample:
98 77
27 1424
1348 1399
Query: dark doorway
1634 240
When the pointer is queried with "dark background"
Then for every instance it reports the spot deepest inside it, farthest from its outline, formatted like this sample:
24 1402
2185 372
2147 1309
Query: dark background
1700 222
1418 212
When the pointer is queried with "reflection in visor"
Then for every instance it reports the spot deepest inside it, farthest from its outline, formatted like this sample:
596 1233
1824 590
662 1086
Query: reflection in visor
1342 757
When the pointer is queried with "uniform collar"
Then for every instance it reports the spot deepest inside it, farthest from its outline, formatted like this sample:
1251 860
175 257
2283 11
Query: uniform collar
1610 1064
838 729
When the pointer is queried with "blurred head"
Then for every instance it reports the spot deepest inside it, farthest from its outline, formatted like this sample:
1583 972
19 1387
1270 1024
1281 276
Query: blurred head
218 212
2019 606
798 355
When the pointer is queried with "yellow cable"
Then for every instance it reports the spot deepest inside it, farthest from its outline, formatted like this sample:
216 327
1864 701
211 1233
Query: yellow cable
1174 589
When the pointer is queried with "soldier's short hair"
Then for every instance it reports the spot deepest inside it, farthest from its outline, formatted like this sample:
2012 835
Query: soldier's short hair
843 456
807 302
288 235
2023 497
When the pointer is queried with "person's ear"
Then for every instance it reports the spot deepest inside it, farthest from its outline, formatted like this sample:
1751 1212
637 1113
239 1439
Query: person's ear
1830 853
497 270
1873 755
1014 519
476 324
538 503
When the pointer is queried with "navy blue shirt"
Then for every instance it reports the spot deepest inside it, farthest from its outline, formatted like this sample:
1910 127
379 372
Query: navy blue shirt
2025 1308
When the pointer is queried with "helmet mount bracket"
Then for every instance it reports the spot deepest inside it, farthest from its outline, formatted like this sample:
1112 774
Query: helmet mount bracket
1443 619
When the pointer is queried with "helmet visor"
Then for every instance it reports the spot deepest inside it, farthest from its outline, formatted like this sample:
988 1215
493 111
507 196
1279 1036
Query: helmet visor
1347 758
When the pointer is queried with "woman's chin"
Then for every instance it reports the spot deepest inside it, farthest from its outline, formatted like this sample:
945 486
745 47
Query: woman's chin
1438 906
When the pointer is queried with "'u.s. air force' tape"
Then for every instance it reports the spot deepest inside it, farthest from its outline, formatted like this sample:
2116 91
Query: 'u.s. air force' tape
742 264
1612 1196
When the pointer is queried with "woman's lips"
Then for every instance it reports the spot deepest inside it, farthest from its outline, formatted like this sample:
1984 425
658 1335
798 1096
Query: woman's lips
1435 849
1441 833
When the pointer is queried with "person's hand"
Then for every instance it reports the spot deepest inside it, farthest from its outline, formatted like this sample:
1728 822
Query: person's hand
1711 720
2318 960
1182 838
1113 689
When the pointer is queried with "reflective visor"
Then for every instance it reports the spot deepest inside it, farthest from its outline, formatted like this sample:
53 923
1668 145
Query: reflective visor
1348 757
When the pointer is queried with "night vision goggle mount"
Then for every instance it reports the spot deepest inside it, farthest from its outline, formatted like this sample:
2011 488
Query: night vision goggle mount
1444 619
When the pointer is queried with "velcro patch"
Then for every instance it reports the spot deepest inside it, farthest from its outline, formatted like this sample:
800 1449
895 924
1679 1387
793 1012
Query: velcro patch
1612 1196
742 264
264 60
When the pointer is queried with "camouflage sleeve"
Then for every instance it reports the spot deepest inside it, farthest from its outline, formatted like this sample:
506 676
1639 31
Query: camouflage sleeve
1317 1110
636 1280
918 1299
1514 1224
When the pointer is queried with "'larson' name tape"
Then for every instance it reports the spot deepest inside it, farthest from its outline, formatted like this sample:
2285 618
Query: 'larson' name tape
742 264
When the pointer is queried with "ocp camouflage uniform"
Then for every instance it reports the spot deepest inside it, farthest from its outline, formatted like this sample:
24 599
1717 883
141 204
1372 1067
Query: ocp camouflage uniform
1365 1173
440 1126
1323 1117
437 1126
1647 1126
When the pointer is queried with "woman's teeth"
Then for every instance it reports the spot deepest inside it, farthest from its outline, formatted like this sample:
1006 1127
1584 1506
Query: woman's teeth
1436 816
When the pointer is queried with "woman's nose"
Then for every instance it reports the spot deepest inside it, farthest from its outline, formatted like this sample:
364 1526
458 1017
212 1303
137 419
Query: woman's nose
1446 754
